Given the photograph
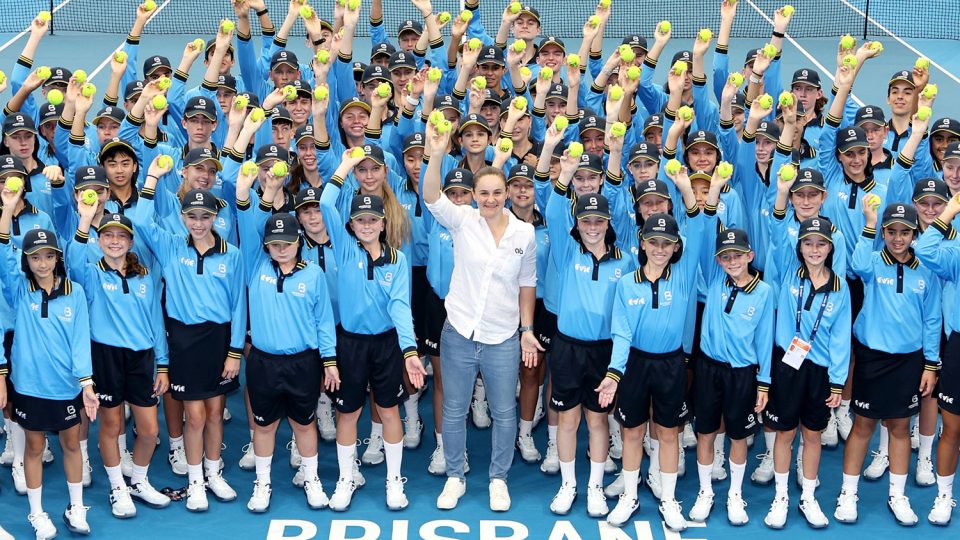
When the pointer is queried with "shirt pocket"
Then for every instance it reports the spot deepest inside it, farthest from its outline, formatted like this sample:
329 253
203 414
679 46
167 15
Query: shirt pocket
506 267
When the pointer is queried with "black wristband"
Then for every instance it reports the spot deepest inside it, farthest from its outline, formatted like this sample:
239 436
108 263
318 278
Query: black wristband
152 176
318 42
778 34
263 12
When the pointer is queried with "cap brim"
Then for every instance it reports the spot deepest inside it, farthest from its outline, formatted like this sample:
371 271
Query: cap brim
91 183
948 130
664 236
188 209
114 144
208 114
116 224
820 234
808 83
395 67
899 79
33 250
366 213
305 136
155 68
740 249
453 185
593 213
934 195
96 120
904 222
880 123
216 162
284 62
519 177
281 239
643 156
465 125
655 194
500 63
797 187
847 148
362 104
19 129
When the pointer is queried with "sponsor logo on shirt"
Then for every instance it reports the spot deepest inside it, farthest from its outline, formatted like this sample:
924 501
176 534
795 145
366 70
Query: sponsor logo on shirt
71 413
636 301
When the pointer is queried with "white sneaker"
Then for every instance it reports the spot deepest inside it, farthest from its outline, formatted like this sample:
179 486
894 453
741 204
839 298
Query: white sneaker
609 466
396 499
763 474
844 425
829 437
702 507
358 480
688 439
42 526
126 463
777 516
800 469
682 464
220 488
915 436
877 467
178 461
719 472
75 516
563 500
672 515
846 511
47 454
551 462
737 510
295 458
538 412
428 367
900 507
616 441
127 411
85 471
19 479
342 495
750 441
146 493
925 476
622 512
121 505
528 450
615 489
412 432
197 497
227 415
316 498
810 510
298 478
453 489
499 495
942 510
326 420
373 454
260 499
596 502
478 407
438 463
248 461
647 444
653 482
6 458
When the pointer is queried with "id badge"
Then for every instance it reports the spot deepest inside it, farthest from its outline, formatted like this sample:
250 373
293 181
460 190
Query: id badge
796 353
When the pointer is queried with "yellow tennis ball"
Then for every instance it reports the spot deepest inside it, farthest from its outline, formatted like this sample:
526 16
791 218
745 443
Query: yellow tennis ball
149 5
685 113
43 73
466 15
199 44
672 167
279 169
479 83
248 168
357 153
930 91
3 77
44 16
257 114
876 46
88 90
519 46
306 12
847 42
922 63
546 72
383 90
474 43
850 61
515 7
618 129
615 92
786 99
604 3
924 112
241 102
724 169
436 118
573 60
626 53
770 50
736 79
323 56
594 21
353 5
575 149
705 34
164 83
55 97
766 101
321 93
787 10
874 201
227 26
505 145
165 162
633 73
680 67
434 74
289 92
159 102
787 172
664 27
445 127
14 184
120 57
520 103
560 123
525 72
80 75
88 197
444 17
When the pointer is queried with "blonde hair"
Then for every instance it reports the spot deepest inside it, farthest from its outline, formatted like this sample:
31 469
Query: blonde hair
397 227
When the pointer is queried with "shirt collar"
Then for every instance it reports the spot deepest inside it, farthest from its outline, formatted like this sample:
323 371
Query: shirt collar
62 289
832 284
890 260
641 277
219 244
749 287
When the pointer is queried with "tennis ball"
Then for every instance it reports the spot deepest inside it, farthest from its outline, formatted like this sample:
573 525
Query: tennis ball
227 26
922 63
633 73
165 162
474 43
930 91
923 112
88 90
353 5
604 3
80 75
560 123
618 129
3 77
787 10
575 149
736 79
770 50
436 118
434 74
520 103
444 17
519 46
55 97
515 7
14 184
444 127
505 145
357 153
241 102
248 168
88 197
164 83
680 67
525 72
342 2
383 90
785 99
409 87
321 93
198 44
705 34
479 83
323 56
850 61
546 73
615 92
847 42
672 167
43 73
257 114
626 53
787 172
573 60
289 92
44 16
120 57
306 12
685 113
149 5
873 201
279 169
466 15
766 101
159 102
724 169
664 27
876 46
594 21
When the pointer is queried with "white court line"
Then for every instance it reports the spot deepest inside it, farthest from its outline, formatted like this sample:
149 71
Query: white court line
110 56
803 51
902 42
15 38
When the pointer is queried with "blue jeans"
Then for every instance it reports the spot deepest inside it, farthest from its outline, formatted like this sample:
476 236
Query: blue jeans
499 364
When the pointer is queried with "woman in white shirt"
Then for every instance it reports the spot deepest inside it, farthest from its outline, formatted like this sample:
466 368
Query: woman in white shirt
492 293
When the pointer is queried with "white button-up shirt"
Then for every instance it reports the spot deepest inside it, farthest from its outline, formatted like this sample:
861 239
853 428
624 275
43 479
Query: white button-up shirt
484 299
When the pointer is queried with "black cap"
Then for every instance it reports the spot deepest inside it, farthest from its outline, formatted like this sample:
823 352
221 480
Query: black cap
636 41
521 171
686 56
412 141
18 122
492 55
653 187
902 213
531 11
902 75
401 59
200 106
58 75
208 50
869 114
271 151
733 240
303 88
591 121
228 82
358 68
310 195
115 220
800 110
280 114
768 130
551 40
491 99
949 125
806 76
12 164
50 113
644 150
132 89
114 113
700 174
458 178
818 226
590 162
116 142
410 25
200 155
304 132
354 102
851 137
952 151
381 49
366 205
592 205
37 239
374 152
253 100
154 63
661 226
284 57
931 187
474 119
281 228
90 176
701 137
200 199
375 72
652 121
751 56
739 101
446 101
808 178
558 90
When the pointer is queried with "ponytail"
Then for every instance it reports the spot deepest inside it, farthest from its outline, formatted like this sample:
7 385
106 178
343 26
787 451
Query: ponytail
132 265
398 226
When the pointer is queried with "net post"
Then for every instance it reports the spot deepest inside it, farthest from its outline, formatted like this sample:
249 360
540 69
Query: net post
866 19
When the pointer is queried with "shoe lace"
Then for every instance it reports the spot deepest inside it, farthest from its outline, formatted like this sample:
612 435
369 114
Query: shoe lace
247 447
877 454
291 445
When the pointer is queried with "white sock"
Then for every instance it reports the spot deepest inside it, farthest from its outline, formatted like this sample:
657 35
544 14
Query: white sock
19 442
176 443
654 457
596 474
115 476
782 481
376 429
394 452
83 449
34 496
121 441
211 467
884 440
705 473
769 438
897 483
412 406
439 437
526 427
551 433
737 471
926 446
346 454
809 486
195 473
718 443
844 408
263 468
76 493
309 467
139 474
668 485
251 435
851 482
568 472
630 479
944 486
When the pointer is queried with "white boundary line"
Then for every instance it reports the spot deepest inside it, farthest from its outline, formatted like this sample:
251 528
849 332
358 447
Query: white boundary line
803 51
106 60
902 42
15 38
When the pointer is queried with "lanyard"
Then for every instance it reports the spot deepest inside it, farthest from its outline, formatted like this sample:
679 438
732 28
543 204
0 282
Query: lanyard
816 323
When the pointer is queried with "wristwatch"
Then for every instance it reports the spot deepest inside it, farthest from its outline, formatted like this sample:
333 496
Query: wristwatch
528 328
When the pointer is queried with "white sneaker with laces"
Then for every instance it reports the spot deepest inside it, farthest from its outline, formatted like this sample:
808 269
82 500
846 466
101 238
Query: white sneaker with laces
609 466
829 437
47 454
653 482
499 496
942 511
220 488
478 407
615 489
719 472
551 461
810 510
737 510
148 495
75 516
453 489
702 507
596 502
121 505
846 511
915 436
358 479
127 412
900 507
85 471
126 463
248 461
682 464
178 461
197 497
19 479
623 511
6 458
342 495
326 420
412 432
538 413
844 425
563 500
925 476
688 439
672 515
777 516
616 441
878 467
298 478
227 415
396 499
260 499
42 526
373 454
647 444
763 474
438 463
295 458
316 498
528 449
